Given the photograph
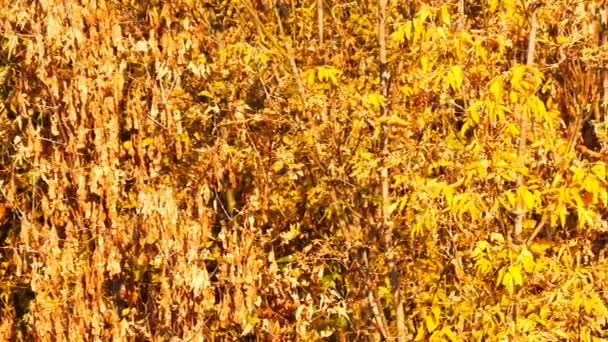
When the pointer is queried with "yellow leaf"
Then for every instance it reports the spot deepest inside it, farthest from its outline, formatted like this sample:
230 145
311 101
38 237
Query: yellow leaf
321 74
541 247
456 77
527 260
511 198
474 115
399 35
483 266
409 30
328 73
515 273
480 249
431 323
277 166
496 89
525 325
529 224
560 333
528 198
393 206
513 97
453 142
127 145
420 336
563 213
448 192
537 107
424 13
445 15
501 276
147 141
436 312
578 174
447 332
585 216
507 281
517 75
599 170
591 184
53 27
310 76
376 100
418 28
424 63
497 237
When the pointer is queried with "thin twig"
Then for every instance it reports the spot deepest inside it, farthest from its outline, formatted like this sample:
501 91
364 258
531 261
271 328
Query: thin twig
523 137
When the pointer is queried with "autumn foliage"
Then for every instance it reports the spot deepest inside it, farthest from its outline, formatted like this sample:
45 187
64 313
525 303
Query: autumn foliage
300 170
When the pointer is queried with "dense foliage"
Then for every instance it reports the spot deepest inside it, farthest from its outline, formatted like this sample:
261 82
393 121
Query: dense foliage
300 170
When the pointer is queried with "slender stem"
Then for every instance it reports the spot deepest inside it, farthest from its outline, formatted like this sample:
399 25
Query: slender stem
320 20
386 224
523 137
604 41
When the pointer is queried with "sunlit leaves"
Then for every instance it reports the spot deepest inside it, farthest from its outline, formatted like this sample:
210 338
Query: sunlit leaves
307 179
517 75
324 74
445 15
590 303
425 63
453 142
419 22
375 101
432 319
482 256
497 238
527 260
402 33
423 224
531 198
599 169
510 277
455 77
496 89
525 80
586 217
